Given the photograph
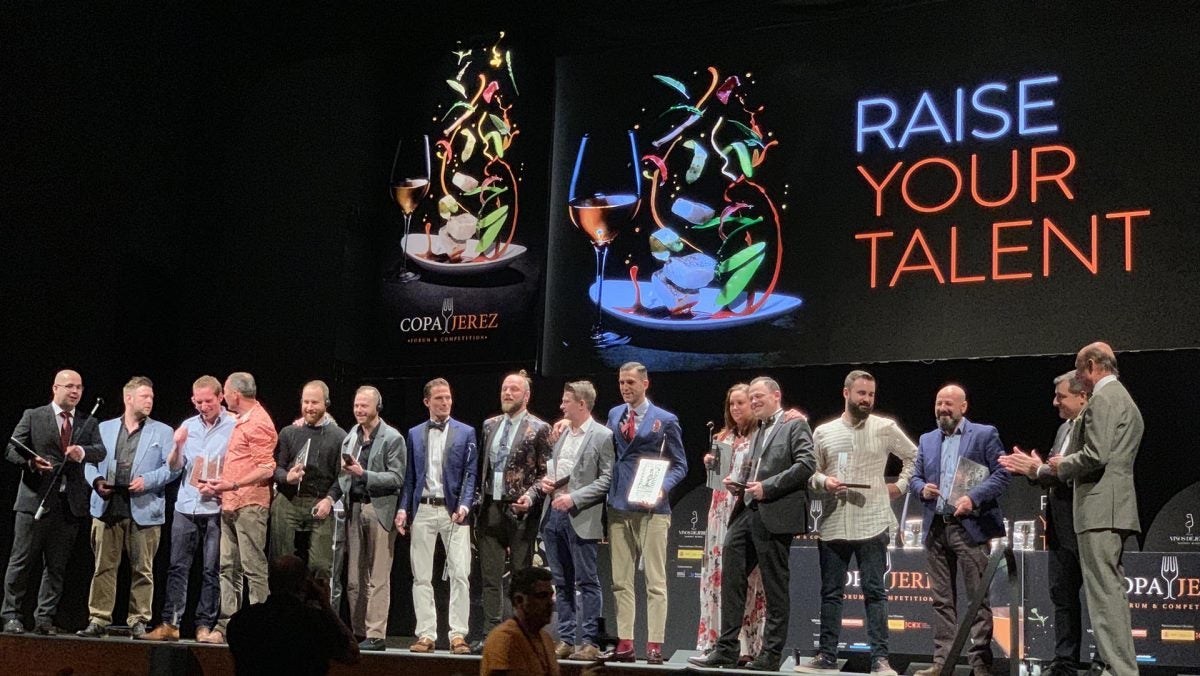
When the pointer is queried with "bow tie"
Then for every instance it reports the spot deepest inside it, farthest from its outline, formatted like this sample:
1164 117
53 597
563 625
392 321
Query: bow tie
439 426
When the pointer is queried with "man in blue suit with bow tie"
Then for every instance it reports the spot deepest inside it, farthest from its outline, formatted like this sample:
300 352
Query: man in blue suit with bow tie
641 430
128 506
957 533
439 489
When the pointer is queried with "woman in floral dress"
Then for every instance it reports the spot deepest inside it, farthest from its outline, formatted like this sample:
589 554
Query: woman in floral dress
737 431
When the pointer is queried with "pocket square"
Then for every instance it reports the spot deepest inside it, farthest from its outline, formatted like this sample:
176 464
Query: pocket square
656 427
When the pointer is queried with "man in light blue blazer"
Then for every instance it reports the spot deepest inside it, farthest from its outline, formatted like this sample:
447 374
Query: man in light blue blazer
641 431
128 507
957 532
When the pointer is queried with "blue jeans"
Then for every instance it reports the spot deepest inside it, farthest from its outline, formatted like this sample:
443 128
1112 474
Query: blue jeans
573 566
835 562
187 531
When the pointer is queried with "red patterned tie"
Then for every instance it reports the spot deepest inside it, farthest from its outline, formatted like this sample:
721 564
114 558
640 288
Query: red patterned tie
630 425
65 433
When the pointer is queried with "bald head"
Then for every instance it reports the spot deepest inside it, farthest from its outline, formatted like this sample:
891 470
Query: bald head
949 407
67 389
1095 361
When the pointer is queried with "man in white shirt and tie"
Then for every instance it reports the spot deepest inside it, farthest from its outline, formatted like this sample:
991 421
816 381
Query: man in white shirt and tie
439 489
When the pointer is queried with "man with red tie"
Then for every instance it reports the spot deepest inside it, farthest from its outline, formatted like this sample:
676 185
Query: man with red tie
50 506
641 430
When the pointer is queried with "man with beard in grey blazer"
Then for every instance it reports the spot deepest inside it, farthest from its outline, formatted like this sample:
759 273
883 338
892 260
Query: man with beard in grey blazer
1099 462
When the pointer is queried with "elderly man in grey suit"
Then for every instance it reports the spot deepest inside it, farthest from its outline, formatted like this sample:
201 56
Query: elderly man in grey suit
373 457
574 489
773 509
1099 463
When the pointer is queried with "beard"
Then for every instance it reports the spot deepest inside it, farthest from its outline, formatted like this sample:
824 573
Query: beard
947 423
859 411
510 407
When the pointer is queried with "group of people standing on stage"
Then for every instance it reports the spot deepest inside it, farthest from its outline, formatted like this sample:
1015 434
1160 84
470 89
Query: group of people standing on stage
248 489
842 462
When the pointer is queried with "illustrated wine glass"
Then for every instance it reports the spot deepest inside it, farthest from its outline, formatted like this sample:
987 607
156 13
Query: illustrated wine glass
408 184
600 203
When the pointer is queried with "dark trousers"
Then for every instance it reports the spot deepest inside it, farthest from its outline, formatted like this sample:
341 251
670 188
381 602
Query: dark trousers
188 531
1066 579
495 531
872 562
748 543
950 546
573 565
48 540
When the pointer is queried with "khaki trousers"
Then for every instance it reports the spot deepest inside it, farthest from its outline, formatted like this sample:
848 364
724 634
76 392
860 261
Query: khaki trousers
109 541
430 523
633 535
369 577
1108 606
243 552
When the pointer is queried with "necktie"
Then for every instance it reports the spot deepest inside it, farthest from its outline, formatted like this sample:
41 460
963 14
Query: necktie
630 428
65 432
439 426
502 449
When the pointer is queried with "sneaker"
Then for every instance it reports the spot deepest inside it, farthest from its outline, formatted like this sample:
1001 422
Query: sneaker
880 665
137 629
819 664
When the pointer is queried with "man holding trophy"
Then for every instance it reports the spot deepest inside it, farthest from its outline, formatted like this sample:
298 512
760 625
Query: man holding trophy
958 479
649 463
771 511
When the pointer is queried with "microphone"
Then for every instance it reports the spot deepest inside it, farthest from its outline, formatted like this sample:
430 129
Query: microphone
42 510
712 467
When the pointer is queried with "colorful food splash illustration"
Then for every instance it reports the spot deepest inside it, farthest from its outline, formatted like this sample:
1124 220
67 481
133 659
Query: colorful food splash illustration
478 199
713 221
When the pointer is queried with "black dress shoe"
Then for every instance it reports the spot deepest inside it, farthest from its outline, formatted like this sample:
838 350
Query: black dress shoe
93 630
375 644
713 660
14 626
46 630
765 663
477 648
654 657
615 655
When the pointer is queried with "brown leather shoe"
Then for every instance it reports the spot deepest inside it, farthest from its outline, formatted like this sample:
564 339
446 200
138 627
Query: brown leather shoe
563 650
932 670
423 645
214 637
202 633
585 653
459 646
163 632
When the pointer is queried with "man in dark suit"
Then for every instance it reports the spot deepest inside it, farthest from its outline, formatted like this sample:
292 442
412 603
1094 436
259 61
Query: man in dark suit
957 532
60 434
439 489
374 456
773 509
1100 465
516 445
641 431
576 483
1066 577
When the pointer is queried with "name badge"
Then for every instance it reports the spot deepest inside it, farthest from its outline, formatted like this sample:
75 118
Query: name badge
497 484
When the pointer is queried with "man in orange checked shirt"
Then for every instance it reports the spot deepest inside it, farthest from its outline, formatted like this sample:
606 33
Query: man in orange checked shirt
245 490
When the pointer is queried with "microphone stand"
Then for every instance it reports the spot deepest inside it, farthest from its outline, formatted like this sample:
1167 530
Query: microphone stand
41 510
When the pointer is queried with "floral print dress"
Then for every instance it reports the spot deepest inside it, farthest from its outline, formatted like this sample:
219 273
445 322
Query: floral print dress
755 613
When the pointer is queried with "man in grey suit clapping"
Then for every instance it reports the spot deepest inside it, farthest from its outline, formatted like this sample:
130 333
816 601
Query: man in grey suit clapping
1099 462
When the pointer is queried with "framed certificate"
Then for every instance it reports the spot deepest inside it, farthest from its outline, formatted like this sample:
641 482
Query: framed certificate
648 481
